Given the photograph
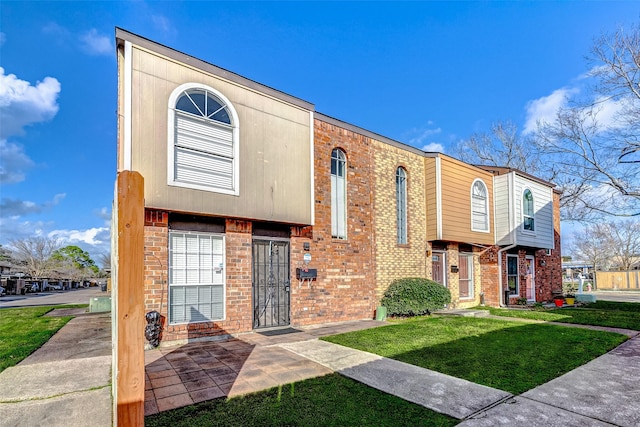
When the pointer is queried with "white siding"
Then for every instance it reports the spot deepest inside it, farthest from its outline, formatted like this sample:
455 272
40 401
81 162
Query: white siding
542 236
502 210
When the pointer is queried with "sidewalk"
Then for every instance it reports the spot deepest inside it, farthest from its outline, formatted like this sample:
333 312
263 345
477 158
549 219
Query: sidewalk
66 382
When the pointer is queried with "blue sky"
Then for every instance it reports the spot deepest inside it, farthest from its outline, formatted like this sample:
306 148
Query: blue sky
425 73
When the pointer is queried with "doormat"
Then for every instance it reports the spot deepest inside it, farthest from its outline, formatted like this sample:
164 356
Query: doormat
276 332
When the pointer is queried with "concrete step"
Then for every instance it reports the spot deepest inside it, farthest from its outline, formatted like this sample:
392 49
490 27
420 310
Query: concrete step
461 312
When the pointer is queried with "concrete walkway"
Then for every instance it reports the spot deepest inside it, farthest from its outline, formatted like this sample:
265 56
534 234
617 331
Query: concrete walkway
66 382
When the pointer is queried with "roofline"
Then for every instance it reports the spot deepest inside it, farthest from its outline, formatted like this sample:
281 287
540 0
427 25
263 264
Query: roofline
501 170
122 35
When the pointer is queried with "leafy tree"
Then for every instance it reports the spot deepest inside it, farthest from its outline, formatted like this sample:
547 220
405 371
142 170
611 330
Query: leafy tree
74 262
34 255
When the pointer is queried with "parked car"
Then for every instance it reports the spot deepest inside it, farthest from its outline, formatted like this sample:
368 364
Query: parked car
53 287
3 291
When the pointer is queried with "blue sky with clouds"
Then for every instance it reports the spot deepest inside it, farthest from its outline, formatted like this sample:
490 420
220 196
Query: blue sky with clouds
425 73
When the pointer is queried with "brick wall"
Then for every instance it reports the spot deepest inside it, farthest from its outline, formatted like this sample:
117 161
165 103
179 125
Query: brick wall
345 287
490 286
394 261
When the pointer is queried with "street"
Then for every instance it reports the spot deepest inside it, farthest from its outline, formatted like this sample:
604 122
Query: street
73 296
619 296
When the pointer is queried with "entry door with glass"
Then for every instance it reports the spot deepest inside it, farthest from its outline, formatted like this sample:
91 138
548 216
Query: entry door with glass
530 278
438 264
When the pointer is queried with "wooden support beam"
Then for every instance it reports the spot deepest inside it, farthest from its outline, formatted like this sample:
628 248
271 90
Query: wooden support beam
128 300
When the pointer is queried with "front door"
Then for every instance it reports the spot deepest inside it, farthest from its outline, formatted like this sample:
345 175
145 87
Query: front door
530 278
438 268
271 287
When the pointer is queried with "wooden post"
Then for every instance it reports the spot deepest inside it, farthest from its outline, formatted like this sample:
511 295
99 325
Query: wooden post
128 300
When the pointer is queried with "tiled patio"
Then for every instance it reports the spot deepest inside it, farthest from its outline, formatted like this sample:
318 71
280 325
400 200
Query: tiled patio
182 375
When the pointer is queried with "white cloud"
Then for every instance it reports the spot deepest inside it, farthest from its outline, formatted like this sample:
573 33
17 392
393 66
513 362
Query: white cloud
3 38
433 147
163 24
13 162
22 104
96 236
94 43
546 108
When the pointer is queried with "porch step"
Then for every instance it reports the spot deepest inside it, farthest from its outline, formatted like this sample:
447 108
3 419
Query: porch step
463 312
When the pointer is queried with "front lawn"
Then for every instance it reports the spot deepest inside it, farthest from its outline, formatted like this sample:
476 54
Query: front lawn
510 356
332 400
601 313
24 330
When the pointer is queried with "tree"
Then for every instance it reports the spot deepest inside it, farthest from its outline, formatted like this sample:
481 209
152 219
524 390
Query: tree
74 262
591 150
34 255
610 245
105 260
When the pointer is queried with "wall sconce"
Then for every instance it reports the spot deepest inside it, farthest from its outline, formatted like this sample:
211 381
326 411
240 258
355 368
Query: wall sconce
543 263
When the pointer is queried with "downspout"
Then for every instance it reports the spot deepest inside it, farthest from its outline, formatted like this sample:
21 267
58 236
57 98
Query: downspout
501 291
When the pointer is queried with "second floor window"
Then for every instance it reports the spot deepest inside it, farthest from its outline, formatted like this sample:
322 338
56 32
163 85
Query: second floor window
401 205
479 207
338 194
528 211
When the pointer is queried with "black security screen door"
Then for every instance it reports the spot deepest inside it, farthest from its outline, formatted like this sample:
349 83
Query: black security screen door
271 287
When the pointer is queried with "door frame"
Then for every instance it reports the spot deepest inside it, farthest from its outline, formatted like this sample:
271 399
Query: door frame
443 254
530 262
285 283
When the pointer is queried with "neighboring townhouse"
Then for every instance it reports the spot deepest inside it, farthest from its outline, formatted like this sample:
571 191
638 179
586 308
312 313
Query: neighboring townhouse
460 225
527 218
261 213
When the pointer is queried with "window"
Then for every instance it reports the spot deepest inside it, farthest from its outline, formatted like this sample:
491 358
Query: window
527 211
203 133
196 277
338 194
401 205
465 275
512 275
479 207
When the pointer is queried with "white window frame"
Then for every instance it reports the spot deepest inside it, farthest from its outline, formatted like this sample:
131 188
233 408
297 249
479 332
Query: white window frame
516 276
401 206
526 216
217 270
475 213
171 118
338 202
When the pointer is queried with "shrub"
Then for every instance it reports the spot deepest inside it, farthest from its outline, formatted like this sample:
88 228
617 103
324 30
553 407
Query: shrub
415 296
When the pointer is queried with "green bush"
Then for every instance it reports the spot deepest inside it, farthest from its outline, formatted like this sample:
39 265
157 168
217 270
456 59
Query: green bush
415 296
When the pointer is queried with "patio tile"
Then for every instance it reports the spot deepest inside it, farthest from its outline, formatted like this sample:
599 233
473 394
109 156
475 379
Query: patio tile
172 390
150 407
199 384
211 364
222 370
160 374
207 394
173 402
148 395
241 388
225 379
165 381
192 376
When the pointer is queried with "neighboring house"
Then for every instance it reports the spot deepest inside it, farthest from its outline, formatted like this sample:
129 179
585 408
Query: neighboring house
260 212
527 217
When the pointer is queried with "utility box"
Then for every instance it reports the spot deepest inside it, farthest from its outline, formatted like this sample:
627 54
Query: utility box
306 273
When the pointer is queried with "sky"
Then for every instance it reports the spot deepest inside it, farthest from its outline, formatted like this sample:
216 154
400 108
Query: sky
428 74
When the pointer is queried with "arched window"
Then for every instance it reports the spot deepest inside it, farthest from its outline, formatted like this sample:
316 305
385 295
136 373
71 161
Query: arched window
401 205
479 206
338 194
203 134
528 216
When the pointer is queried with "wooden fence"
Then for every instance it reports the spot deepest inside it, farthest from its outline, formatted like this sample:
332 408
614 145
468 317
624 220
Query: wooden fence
618 280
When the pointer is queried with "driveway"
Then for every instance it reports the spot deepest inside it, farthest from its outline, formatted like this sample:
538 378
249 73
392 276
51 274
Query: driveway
618 296
73 296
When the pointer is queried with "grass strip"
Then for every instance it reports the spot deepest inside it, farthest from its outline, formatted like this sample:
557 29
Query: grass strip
510 356
331 400
601 313
24 330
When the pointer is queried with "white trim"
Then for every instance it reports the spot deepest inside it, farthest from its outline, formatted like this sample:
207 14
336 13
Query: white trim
171 105
128 77
438 199
517 275
445 273
312 165
472 280
486 206
533 275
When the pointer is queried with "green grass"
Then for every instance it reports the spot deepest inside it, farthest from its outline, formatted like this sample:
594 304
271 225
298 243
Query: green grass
24 330
602 313
332 400
510 356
